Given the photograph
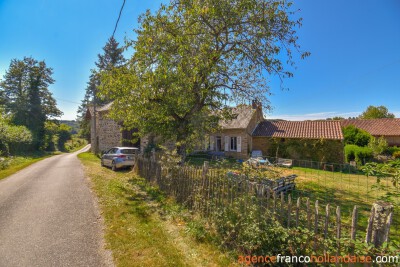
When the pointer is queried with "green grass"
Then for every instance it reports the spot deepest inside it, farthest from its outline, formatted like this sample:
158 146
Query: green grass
18 163
142 226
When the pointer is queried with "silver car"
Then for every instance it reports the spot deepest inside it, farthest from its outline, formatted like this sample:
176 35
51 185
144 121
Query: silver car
119 157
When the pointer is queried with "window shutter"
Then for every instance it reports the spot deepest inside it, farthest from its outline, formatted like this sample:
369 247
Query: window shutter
239 144
212 143
227 143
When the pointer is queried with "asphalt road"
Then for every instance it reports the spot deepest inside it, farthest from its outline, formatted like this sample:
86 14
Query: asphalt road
49 217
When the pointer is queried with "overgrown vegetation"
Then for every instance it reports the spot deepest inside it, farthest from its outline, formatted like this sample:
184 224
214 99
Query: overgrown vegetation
237 219
143 227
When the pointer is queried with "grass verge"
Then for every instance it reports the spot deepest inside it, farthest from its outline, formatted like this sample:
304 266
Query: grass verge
143 227
18 163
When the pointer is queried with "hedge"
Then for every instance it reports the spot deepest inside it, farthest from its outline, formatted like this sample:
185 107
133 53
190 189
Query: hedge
360 154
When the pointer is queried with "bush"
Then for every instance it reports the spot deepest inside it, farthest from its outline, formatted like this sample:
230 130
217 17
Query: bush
360 154
355 136
396 154
4 163
392 149
378 145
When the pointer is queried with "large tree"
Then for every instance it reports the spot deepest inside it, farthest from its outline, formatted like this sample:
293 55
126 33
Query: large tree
194 57
27 97
378 112
111 57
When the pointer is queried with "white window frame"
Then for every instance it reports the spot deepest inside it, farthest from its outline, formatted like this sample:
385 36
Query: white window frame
227 143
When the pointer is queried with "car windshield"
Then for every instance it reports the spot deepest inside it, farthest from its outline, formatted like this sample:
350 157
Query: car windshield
128 151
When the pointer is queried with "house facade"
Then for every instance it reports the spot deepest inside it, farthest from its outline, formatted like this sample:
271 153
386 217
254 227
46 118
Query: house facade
106 133
234 139
387 128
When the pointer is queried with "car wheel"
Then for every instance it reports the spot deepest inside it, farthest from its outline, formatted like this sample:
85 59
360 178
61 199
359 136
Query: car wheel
113 167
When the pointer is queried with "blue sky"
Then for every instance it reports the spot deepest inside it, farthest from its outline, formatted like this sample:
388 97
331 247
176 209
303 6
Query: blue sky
354 45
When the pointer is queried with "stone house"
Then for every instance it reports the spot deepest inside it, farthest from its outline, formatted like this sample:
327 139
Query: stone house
109 133
306 140
234 139
387 128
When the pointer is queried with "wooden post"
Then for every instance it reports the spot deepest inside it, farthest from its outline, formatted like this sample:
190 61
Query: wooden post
370 225
282 206
316 218
289 210
379 223
308 214
316 225
354 224
297 212
338 231
326 221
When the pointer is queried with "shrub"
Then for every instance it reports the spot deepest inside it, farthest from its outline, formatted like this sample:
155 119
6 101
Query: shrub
392 149
355 136
378 145
360 154
396 154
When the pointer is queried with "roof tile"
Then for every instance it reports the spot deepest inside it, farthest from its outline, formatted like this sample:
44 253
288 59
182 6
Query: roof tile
300 129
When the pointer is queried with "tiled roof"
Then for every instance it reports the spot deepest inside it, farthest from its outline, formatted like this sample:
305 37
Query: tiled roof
300 129
244 114
377 127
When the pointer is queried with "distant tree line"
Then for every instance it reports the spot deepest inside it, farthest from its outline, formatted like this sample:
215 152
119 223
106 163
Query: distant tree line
28 110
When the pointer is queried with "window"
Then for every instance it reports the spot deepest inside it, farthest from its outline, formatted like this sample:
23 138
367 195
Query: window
233 143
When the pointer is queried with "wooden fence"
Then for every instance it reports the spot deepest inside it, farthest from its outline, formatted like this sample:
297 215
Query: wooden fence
207 191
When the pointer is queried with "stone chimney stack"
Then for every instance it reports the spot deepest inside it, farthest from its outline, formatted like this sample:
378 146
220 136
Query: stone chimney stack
255 104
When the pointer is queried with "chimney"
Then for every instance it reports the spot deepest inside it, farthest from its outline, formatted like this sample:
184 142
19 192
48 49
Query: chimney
255 104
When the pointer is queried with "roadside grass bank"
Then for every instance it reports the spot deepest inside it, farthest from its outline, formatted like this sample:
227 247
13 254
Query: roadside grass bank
145 228
11 165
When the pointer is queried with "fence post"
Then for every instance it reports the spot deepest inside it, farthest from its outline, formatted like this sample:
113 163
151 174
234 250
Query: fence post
282 207
379 223
297 211
354 223
308 214
338 231
289 210
326 221
316 225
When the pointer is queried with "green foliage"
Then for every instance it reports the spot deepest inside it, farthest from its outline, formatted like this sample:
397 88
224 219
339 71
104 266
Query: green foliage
321 150
355 136
74 143
396 154
378 145
11 135
191 57
378 112
360 154
28 99
390 169
64 134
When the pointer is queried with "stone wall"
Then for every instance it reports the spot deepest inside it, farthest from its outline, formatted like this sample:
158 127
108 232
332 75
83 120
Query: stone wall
109 133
